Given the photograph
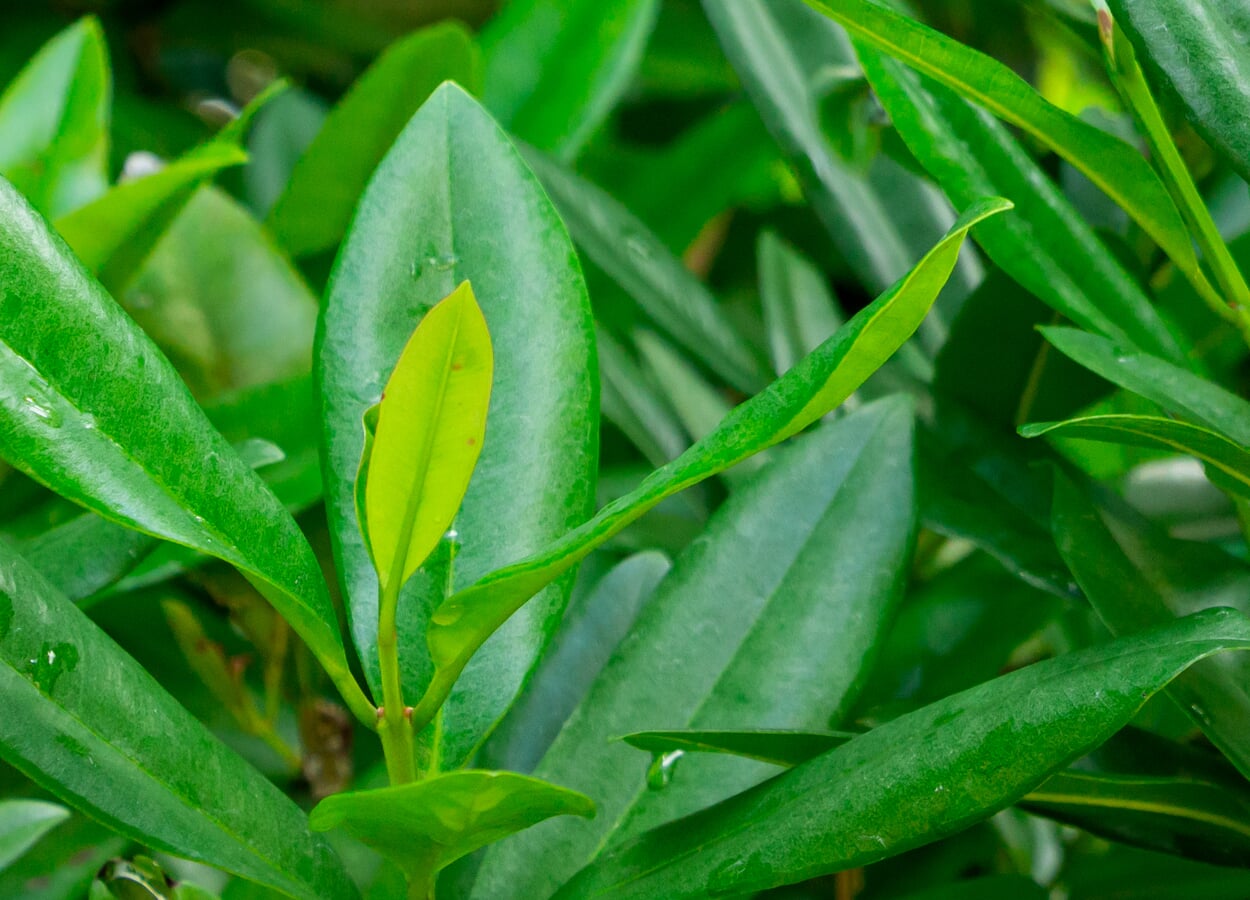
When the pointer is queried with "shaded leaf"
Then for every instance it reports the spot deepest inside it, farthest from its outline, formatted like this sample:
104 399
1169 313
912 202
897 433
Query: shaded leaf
23 823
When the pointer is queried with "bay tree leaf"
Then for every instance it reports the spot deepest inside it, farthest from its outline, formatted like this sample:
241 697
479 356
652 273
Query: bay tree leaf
90 407
54 121
470 210
427 825
816 385
86 722
315 207
921 777
791 565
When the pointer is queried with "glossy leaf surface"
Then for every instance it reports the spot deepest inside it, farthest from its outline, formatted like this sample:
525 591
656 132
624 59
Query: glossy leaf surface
430 426
920 777
425 826
554 69
87 723
23 823
123 437
1200 51
818 384
54 120
780 748
535 477
788 566
315 208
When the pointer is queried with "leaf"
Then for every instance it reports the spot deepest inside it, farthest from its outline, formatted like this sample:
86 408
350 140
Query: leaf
779 748
23 823
315 208
800 311
1047 247
429 432
114 235
62 869
85 555
54 120
426 825
983 750
452 178
811 389
1196 50
644 268
631 401
790 565
1114 166
1157 380
555 69
1137 577
1227 462
81 725
89 405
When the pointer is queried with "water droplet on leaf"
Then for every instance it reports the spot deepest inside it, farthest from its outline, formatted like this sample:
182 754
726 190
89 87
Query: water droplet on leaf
660 772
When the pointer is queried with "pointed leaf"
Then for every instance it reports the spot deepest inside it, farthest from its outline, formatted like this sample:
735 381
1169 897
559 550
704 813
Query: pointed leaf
916 779
82 720
470 210
429 432
817 384
89 406
54 120
424 826
313 212
23 823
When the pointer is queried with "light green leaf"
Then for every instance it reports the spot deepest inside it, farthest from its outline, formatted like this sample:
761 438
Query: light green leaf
914 780
80 719
554 69
453 179
425 826
792 564
54 120
89 406
430 426
23 823
811 389
315 208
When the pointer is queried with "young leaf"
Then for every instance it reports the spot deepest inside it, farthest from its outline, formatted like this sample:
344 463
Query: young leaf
89 406
807 392
554 69
23 823
911 781
454 181
1114 166
1197 47
314 209
1227 462
80 720
425 826
54 121
791 564
430 427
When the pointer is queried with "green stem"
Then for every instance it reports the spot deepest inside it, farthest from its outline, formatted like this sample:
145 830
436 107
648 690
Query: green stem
395 724
1126 73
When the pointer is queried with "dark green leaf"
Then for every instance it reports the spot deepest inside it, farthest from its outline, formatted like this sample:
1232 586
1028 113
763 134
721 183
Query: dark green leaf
780 748
800 311
62 869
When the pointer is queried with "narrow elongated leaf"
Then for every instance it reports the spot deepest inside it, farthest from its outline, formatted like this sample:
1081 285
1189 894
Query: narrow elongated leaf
817 384
780 748
54 121
86 722
429 824
86 554
113 235
632 402
1047 247
554 69
1137 577
792 564
1116 167
429 432
89 406
1198 50
62 869
313 211
1227 462
923 776
800 311
454 180
645 269
1158 380
23 823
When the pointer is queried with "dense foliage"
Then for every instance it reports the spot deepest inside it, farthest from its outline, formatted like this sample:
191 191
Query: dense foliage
624 448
